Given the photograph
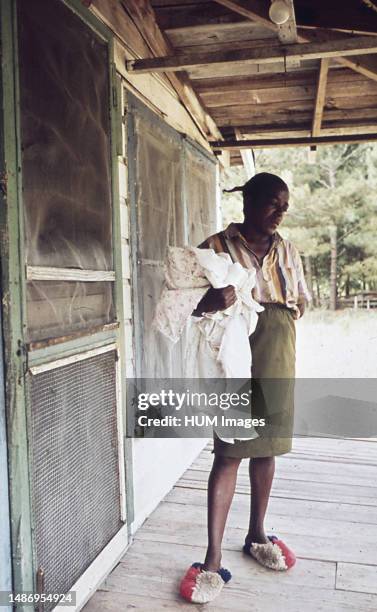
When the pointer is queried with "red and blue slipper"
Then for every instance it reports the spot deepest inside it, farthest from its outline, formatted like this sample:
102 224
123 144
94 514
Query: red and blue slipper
274 554
202 586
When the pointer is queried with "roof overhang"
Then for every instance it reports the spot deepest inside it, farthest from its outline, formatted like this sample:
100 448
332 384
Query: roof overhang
249 83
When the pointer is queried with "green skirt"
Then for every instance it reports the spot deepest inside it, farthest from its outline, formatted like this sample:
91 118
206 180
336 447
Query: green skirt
273 350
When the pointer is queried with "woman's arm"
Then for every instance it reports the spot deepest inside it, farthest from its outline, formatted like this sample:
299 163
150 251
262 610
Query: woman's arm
304 296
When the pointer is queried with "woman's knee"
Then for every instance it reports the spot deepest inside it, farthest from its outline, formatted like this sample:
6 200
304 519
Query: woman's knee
262 462
227 462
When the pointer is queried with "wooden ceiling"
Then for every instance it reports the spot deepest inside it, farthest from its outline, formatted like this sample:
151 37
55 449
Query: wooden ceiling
313 78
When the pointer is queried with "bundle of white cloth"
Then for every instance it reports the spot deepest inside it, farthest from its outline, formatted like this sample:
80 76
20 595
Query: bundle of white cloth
224 349
217 344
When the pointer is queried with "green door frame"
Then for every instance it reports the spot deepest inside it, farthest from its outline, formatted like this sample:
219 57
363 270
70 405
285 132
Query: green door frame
18 358
15 356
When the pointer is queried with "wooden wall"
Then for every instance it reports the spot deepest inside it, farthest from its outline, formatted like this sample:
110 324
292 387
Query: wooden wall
154 90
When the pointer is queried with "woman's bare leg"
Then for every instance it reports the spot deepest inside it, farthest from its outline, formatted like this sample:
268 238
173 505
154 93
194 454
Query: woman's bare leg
221 487
261 471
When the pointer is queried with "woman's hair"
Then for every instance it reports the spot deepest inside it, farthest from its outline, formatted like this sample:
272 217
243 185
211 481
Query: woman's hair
260 184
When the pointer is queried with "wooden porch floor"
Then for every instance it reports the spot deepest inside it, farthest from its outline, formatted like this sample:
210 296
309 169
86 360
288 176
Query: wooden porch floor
323 504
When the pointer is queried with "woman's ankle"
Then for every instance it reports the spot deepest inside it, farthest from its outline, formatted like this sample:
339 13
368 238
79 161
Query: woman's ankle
256 535
212 561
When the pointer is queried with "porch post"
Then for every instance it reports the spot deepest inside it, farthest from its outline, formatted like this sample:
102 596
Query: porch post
11 245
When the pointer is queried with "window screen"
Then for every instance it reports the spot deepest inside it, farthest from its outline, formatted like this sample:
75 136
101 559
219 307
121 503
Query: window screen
65 143
200 192
76 491
173 194
158 193
55 306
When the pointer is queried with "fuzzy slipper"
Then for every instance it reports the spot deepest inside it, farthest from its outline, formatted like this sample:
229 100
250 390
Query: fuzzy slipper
274 554
202 586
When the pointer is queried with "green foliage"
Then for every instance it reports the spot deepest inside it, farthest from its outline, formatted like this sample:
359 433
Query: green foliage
331 195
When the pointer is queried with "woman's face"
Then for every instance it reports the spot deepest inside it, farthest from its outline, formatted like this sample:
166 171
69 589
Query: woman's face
268 213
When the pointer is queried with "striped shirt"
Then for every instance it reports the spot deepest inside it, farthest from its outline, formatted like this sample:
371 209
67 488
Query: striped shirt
279 278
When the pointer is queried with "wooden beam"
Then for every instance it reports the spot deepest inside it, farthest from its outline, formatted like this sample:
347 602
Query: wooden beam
258 11
246 69
287 32
338 79
142 14
299 118
245 36
347 130
362 64
176 16
45 273
279 134
365 65
235 145
221 85
295 119
336 98
338 14
320 97
348 46
247 157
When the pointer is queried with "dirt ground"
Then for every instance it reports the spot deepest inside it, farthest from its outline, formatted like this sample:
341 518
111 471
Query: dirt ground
342 344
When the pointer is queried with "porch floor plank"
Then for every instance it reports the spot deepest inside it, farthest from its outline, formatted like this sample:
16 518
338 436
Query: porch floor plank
323 505
354 577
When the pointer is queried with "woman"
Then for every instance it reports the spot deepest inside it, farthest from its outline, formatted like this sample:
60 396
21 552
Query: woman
281 289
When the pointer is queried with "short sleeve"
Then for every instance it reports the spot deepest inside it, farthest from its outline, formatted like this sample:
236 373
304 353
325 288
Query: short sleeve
206 244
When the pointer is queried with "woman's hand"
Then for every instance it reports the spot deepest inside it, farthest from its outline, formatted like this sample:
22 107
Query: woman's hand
301 306
216 299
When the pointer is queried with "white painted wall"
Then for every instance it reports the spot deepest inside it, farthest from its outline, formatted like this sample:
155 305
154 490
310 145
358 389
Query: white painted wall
157 465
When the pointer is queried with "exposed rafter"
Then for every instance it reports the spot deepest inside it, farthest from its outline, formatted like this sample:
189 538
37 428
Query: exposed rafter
259 100
236 145
281 134
363 64
320 97
258 12
247 157
287 32
349 46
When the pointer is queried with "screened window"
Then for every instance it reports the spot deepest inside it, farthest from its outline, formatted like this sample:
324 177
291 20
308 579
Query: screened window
173 196
66 172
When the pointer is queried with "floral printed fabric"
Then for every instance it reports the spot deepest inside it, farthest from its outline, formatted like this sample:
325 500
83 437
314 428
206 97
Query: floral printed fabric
185 285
